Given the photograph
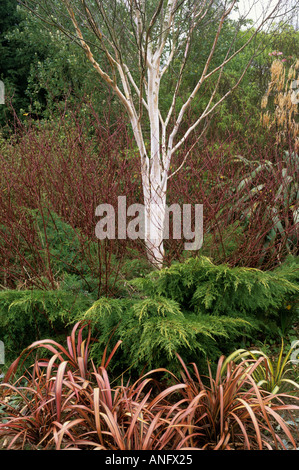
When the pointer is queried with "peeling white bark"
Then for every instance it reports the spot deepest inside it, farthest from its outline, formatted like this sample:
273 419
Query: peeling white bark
155 163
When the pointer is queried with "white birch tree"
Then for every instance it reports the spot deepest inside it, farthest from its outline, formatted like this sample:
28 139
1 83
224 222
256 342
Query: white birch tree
132 44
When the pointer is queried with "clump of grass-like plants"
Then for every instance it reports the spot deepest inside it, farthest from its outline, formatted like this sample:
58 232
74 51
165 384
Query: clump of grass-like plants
65 402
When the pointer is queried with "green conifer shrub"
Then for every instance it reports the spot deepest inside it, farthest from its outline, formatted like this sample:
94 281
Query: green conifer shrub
195 309
30 315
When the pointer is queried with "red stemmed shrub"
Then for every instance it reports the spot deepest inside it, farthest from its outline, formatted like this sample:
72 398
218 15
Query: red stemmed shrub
250 201
59 172
67 166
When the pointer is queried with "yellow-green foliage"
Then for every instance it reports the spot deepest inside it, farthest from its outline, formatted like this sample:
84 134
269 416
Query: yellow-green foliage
188 308
26 316
195 309
202 286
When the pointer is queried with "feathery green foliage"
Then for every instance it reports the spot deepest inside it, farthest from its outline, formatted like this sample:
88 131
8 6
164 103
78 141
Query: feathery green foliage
192 309
202 286
26 316
153 329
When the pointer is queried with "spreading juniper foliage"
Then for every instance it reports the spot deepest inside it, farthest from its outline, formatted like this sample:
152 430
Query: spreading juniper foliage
26 316
196 309
204 287
193 309
290 269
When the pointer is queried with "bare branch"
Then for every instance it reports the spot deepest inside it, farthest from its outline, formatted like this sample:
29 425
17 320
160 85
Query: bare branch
208 111
202 78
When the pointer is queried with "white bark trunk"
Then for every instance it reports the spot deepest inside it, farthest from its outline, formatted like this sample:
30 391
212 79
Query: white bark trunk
154 228
154 192
155 204
155 169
